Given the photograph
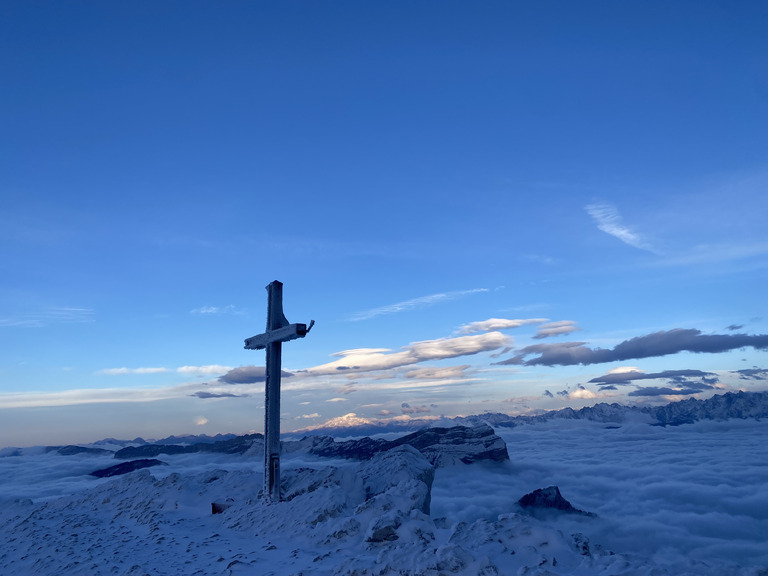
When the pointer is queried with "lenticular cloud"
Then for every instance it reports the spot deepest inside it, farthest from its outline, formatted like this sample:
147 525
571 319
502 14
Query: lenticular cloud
656 344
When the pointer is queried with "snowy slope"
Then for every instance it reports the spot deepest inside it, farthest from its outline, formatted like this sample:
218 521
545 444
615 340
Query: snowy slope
688 499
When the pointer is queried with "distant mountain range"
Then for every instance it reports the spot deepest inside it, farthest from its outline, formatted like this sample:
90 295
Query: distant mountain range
718 407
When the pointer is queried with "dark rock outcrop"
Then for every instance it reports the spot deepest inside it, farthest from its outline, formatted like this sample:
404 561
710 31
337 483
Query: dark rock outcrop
196 439
441 446
126 467
72 450
236 445
548 498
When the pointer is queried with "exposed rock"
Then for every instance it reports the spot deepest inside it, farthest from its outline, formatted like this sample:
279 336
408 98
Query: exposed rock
549 499
445 446
126 467
196 439
384 529
219 507
441 446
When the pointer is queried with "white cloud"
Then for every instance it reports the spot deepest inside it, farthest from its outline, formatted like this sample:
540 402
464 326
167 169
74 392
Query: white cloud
556 328
582 393
608 220
498 324
415 303
364 360
624 370
357 351
201 421
203 370
336 400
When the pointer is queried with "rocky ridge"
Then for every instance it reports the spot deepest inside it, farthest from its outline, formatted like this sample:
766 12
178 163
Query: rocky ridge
441 446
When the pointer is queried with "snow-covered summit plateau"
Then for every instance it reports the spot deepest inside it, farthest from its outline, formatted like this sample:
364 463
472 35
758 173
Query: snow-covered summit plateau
605 490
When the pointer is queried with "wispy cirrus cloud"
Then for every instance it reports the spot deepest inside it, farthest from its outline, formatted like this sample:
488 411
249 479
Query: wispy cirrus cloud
608 219
48 316
185 370
124 370
213 310
413 304
717 253
94 396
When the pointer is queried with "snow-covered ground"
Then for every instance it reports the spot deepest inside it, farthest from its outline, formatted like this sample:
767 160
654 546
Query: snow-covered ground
691 499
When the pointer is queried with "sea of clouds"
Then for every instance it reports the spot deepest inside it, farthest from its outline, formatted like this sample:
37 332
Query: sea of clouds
692 499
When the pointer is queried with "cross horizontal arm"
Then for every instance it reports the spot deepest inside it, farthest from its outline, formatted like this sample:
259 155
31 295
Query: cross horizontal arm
284 334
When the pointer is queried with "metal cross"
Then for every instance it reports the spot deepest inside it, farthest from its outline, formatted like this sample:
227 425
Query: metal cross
278 331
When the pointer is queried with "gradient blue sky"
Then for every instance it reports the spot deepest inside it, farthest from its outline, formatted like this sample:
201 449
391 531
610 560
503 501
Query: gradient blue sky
592 175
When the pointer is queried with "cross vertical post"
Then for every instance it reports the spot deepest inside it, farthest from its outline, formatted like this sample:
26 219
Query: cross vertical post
272 394
278 331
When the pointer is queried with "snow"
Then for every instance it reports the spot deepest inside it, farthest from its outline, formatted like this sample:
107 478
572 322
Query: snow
690 499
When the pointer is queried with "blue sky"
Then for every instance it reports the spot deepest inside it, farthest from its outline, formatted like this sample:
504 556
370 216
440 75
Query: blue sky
590 175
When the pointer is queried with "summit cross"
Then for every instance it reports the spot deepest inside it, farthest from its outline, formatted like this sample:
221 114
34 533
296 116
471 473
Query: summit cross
279 330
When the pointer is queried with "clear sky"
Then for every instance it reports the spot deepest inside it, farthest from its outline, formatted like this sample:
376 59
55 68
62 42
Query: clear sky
503 206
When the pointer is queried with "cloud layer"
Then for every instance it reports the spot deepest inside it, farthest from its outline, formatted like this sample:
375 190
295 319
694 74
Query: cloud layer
656 344
497 324
371 359
556 329
248 375
620 378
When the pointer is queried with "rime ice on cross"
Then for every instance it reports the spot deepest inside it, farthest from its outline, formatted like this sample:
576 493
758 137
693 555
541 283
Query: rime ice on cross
278 331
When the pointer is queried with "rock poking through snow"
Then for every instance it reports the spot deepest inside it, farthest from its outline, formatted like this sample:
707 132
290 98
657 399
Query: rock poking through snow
547 499
441 446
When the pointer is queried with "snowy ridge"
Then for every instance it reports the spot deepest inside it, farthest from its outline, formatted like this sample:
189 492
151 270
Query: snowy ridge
718 407
370 518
